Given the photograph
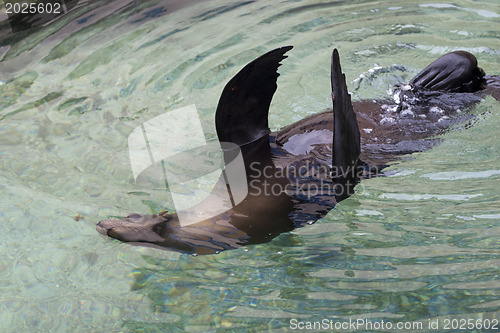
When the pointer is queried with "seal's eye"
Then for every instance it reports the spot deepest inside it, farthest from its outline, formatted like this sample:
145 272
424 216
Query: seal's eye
133 216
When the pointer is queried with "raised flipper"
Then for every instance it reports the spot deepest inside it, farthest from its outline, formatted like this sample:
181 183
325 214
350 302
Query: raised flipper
346 138
243 107
455 72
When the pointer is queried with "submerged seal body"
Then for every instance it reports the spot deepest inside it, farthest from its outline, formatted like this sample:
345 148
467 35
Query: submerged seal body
297 175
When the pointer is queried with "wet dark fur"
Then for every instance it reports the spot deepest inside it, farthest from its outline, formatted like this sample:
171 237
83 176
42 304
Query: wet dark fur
363 136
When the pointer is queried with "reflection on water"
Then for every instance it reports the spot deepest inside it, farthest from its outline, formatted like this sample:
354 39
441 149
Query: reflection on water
417 246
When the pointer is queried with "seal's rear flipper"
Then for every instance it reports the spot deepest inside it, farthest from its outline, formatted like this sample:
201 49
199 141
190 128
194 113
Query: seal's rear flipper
243 107
346 138
455 72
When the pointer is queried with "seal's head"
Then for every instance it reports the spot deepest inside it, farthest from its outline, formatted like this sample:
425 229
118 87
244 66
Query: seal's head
136 228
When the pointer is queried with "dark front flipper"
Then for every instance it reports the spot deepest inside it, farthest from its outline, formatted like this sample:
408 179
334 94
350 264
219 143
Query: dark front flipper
455 72
243 107
346 139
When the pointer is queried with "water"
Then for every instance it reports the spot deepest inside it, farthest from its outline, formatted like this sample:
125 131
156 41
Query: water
419 246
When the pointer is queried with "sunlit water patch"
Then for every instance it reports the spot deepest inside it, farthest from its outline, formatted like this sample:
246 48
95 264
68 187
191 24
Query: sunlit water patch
420 245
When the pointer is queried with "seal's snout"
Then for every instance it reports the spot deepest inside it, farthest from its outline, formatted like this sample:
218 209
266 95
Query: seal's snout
105 226
101 228
133 228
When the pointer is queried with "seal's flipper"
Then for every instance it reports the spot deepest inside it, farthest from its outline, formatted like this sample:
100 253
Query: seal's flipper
455 72
346 137
243 107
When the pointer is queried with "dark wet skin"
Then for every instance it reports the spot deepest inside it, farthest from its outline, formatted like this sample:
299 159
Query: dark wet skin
298 159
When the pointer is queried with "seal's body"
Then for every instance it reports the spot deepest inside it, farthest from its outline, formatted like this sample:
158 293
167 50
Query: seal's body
296 175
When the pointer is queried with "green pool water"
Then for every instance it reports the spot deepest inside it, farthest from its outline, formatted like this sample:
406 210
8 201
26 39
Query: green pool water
419 247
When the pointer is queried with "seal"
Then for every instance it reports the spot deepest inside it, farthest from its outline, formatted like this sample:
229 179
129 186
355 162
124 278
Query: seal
297 175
